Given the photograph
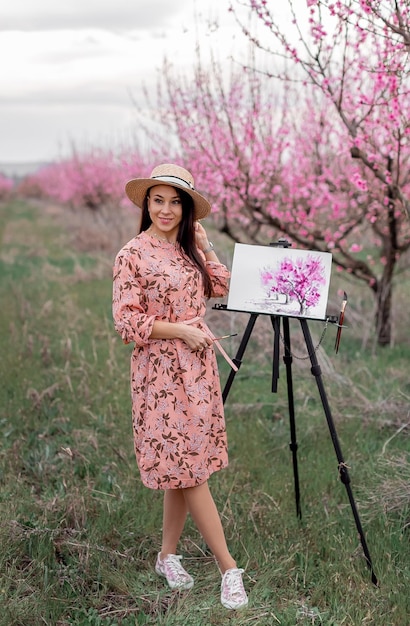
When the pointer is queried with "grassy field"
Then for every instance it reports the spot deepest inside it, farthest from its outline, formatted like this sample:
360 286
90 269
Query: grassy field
79 534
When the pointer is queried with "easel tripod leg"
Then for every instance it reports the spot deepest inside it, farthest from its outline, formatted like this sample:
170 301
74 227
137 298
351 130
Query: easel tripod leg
238 358
287 359
343 472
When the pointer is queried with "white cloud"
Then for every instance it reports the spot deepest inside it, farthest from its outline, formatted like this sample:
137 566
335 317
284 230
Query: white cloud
68 68
67 62
29 15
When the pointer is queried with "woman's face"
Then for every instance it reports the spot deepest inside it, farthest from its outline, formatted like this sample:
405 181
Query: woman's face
165 210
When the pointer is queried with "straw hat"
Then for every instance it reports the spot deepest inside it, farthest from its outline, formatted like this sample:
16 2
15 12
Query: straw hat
173 175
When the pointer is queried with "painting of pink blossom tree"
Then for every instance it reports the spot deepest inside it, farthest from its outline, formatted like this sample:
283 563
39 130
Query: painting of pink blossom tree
300 279
280 281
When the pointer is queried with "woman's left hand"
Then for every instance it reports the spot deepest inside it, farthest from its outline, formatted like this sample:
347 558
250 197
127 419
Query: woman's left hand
201 237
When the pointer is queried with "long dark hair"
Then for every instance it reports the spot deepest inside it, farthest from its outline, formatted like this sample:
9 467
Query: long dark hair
185 236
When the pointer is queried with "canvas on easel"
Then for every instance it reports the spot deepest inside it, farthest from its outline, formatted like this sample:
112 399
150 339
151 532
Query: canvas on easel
280 281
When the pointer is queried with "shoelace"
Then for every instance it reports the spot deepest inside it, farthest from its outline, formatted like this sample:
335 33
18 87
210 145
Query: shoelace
173 563
233 581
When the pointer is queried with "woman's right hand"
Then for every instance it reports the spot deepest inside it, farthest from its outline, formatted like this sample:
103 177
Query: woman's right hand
194 337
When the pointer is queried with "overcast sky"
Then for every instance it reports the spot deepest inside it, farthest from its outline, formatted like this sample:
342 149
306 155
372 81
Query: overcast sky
68 68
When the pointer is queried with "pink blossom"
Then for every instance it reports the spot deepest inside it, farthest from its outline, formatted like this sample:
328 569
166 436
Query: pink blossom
6 186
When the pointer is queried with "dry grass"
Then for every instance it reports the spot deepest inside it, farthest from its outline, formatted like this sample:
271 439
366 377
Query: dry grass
78 532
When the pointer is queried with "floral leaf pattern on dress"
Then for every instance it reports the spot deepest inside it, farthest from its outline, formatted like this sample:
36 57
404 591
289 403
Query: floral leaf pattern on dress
177 411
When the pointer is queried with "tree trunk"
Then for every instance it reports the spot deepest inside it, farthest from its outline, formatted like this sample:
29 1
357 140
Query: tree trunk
384 293
384 297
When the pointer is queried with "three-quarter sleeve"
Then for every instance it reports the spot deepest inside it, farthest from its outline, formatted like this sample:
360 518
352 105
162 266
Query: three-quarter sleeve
130 318
220 275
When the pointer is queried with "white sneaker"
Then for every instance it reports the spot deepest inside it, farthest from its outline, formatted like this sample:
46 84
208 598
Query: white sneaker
171 568
233 594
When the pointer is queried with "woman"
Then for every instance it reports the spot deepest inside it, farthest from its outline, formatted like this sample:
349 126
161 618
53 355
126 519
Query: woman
162 278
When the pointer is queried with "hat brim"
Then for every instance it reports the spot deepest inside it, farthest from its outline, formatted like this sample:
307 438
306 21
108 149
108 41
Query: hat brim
136 190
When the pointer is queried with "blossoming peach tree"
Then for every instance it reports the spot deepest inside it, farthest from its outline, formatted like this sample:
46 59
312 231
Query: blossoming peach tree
354 56
323 161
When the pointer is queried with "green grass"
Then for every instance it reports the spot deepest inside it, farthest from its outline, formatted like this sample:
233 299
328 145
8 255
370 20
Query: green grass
79 534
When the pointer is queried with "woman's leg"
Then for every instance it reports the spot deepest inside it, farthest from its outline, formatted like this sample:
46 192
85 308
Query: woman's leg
175 511
202 508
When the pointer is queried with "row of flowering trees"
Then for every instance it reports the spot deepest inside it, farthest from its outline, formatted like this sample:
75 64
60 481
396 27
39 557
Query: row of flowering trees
273 172
317 148
91 179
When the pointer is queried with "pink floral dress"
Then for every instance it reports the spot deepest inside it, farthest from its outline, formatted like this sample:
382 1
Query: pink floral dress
177 411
